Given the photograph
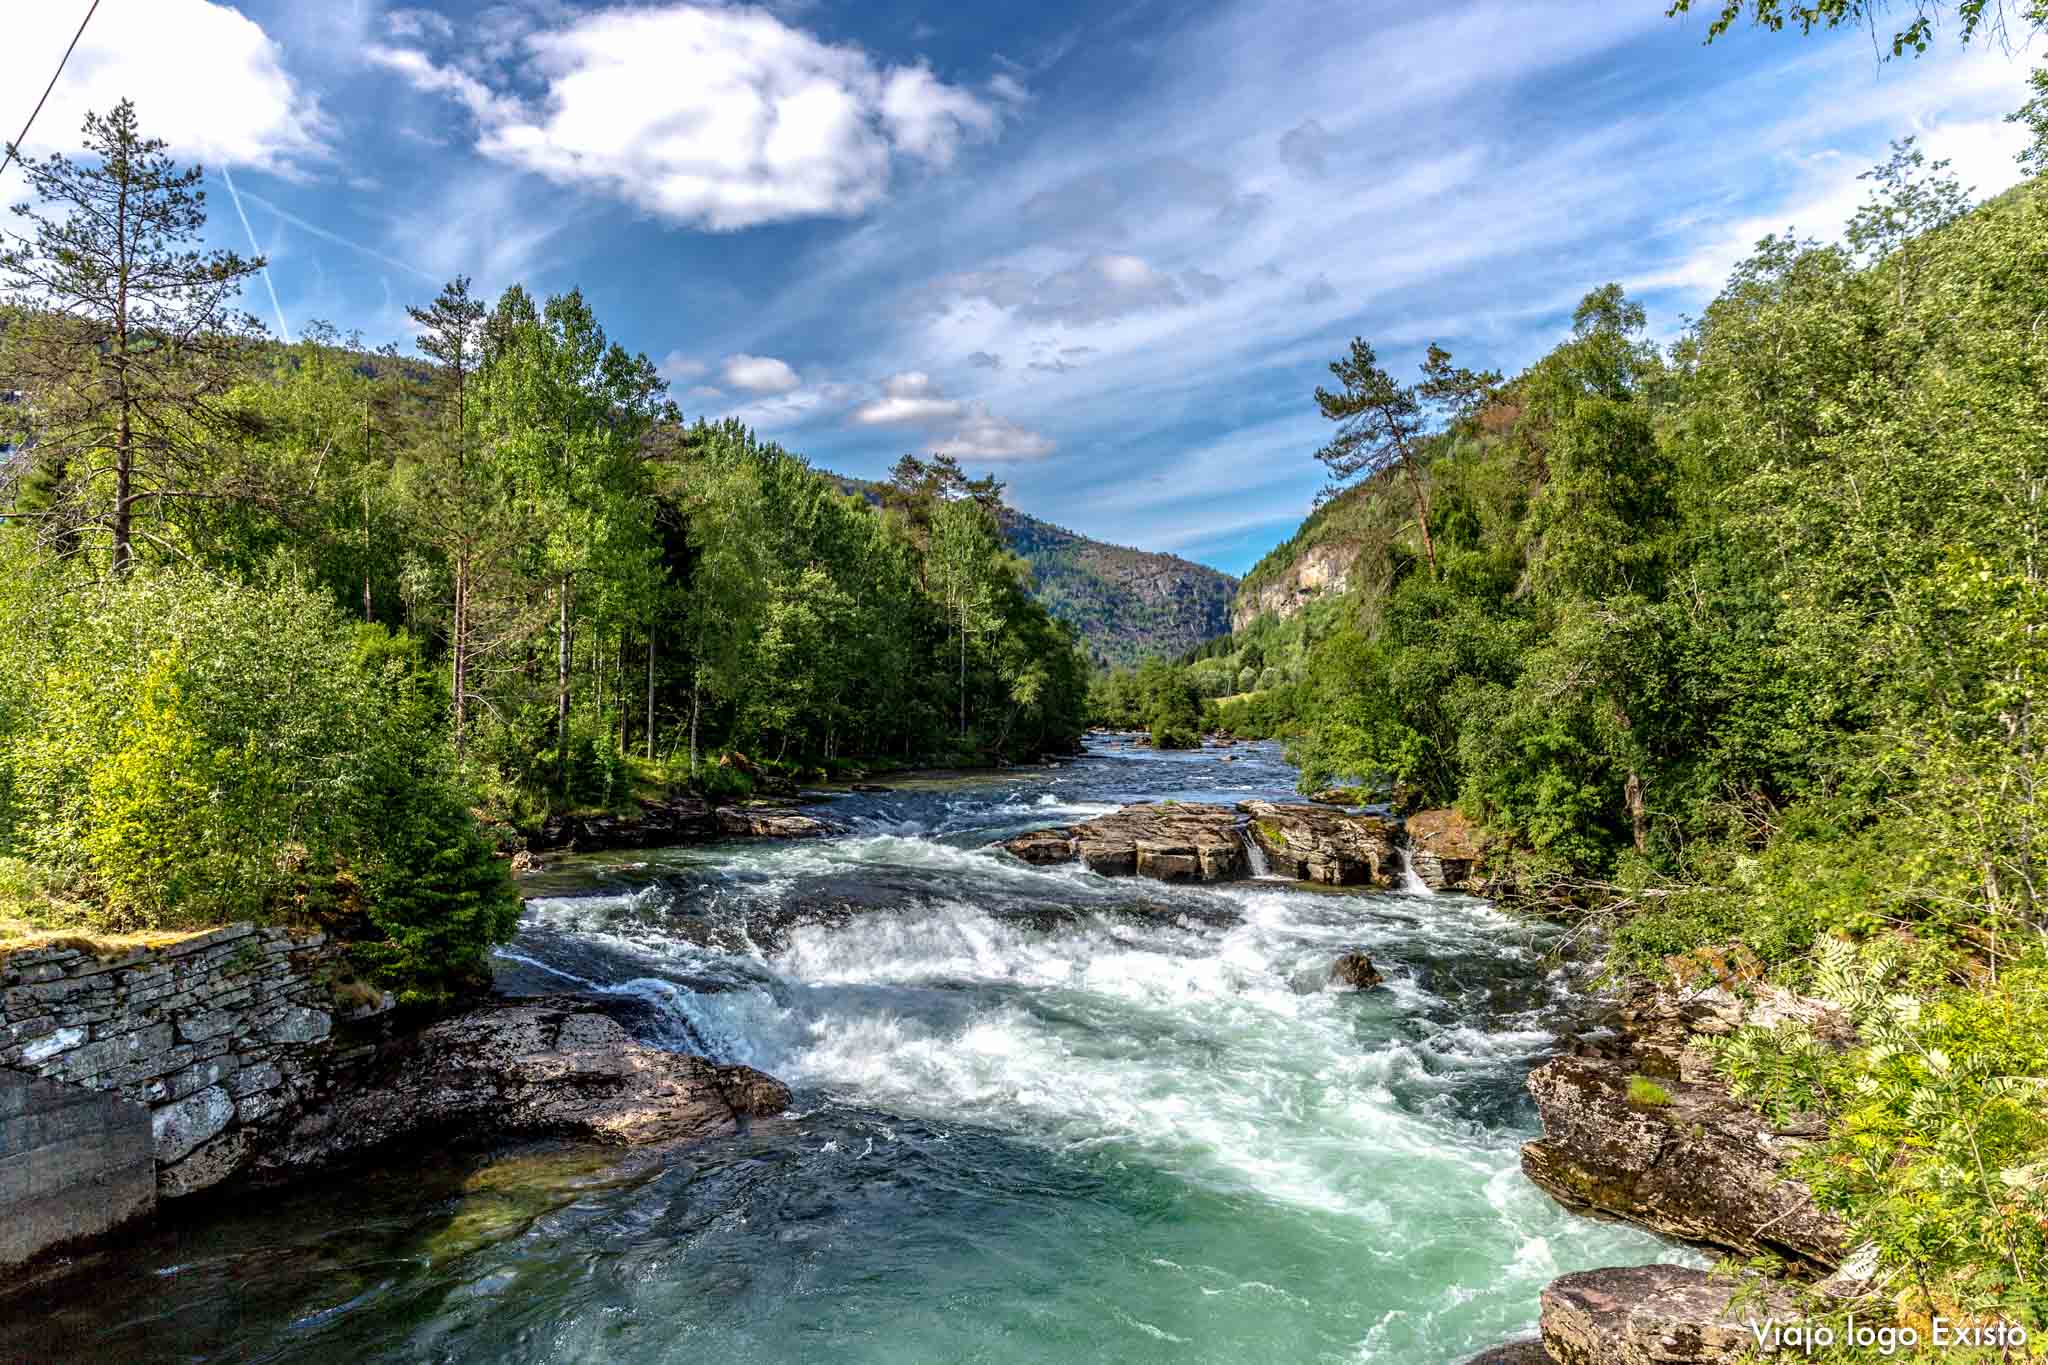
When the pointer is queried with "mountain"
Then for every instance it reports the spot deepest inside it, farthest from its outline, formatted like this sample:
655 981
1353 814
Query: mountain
1128 604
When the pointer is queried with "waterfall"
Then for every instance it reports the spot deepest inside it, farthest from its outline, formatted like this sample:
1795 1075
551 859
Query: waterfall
1254 856
1411 880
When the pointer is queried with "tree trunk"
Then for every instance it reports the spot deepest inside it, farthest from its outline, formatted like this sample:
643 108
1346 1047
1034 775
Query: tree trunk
650 694
562 691
1421 511
1638 810
458 663
693 724
124 441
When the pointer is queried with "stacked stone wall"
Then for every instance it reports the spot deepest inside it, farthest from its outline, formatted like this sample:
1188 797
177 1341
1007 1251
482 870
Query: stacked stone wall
224 1038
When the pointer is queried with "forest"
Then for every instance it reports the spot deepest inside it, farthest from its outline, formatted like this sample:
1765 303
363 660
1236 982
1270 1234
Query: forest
1739 639
316 632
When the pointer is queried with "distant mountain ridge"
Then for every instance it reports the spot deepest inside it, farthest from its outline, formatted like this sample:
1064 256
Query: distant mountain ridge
1127 604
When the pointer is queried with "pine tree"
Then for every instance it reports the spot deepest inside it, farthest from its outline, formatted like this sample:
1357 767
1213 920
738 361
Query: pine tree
128 335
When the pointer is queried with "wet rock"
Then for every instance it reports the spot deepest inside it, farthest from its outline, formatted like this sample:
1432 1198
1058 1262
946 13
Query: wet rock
1341 796
1444 848
1044 846
1696 1164
674 820
526 862
1173 842
770 824
1515 1353
1356 971
1654 1315
549 1067
1315 843
871 787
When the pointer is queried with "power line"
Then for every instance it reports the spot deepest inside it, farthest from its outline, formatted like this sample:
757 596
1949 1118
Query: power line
16 144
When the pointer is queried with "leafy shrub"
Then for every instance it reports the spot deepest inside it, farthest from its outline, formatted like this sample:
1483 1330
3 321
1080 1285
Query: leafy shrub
187 752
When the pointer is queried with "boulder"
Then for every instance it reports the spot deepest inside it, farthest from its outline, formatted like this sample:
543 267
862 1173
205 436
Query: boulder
771 824
1656 1315
1692 1163
1342 796
1318 844
526 862
1355 970
1444 848
1171 842
542 1067
1044 846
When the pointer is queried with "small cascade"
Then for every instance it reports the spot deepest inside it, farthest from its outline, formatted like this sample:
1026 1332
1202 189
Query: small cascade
1254 856
1411 880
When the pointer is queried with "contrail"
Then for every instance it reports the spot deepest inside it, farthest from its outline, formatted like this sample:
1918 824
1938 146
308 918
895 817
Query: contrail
275 306
338 239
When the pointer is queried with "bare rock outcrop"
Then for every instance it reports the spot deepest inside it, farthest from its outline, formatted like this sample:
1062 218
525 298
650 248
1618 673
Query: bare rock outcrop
673 820
1443 848
1319 844
1680 1156
747 823
1515 1353
1171 842
547 1067
1655 1315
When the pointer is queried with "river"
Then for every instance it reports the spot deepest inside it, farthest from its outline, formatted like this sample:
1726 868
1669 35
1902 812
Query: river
1040 1116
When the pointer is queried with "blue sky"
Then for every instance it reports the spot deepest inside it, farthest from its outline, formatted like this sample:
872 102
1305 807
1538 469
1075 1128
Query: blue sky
1104 251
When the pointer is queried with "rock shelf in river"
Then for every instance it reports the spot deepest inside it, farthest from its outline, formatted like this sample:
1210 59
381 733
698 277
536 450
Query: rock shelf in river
1198 842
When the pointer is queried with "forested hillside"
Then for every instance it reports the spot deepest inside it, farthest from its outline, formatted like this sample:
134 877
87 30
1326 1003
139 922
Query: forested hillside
1127 604
1741 640
300 631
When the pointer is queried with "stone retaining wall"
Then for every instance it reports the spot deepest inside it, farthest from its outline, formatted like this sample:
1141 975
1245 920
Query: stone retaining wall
73 1163
224 1038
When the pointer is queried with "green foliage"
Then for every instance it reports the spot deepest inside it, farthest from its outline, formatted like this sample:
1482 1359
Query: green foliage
1937 1140
186 752
1647 1093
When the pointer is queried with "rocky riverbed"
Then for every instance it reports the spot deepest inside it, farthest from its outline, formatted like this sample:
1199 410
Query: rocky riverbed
1033 1110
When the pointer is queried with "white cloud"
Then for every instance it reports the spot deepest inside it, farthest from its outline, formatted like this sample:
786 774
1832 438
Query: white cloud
760 374
908 399
676 367
985 436
716 117
204 78
1099 288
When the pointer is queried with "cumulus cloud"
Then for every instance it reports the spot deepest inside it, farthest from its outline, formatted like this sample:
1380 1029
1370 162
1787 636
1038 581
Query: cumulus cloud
722 118
1099 288
985 436
676 367
908 399
759 374
205 78
1305 150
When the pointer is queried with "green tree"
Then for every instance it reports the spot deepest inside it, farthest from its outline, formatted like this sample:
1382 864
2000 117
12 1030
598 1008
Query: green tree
126 336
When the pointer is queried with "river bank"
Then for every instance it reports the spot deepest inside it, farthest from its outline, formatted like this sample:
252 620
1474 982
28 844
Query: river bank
1036 1112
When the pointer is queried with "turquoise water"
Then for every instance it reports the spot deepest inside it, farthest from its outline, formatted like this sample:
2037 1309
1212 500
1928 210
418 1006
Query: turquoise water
1040 1116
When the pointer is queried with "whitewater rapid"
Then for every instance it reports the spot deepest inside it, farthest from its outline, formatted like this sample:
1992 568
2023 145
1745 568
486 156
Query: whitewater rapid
1039 1115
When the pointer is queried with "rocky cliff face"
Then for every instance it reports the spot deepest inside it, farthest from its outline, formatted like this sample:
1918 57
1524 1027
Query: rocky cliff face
1321 571
1126 603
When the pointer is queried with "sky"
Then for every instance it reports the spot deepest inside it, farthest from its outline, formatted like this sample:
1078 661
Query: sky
1105 251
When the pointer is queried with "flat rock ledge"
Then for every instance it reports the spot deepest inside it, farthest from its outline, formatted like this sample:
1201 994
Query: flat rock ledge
1679 1155
1658 1315
541 1067
1197 842
674 820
